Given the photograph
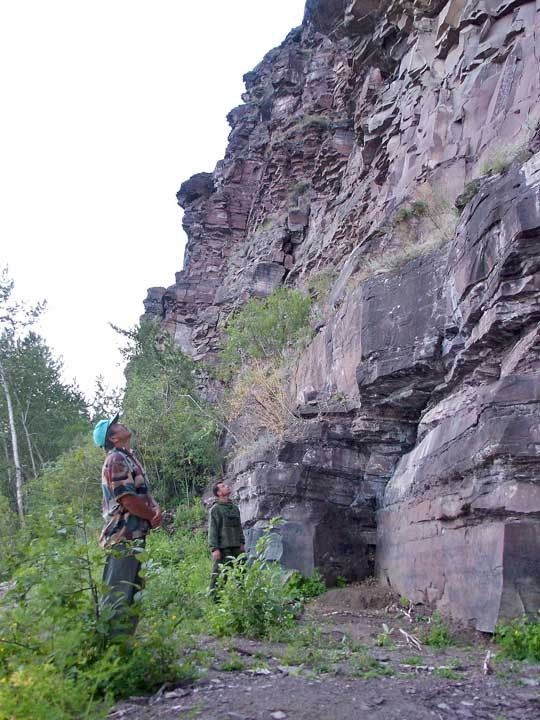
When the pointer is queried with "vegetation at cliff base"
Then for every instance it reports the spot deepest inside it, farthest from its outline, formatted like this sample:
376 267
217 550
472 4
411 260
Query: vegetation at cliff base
520 639
57 657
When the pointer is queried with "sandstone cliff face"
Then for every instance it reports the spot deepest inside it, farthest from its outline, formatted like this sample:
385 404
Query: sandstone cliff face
420 392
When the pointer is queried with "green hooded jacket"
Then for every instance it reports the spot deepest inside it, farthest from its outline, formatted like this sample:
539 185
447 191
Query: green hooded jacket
224 526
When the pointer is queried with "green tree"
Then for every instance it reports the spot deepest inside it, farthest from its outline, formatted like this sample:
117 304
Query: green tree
14 316
175 431
106 400
40 415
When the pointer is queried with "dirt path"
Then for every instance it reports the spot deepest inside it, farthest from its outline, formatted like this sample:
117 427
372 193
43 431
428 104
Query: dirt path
336 668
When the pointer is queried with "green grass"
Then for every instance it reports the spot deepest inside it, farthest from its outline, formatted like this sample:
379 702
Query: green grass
446 673
413 660
317 654
234 664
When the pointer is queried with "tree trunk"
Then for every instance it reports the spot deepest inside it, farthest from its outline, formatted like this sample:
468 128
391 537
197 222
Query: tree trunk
14 445
8 461
28 441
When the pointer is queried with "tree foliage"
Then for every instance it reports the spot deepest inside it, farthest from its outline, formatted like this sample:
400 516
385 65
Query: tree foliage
40 415
175 431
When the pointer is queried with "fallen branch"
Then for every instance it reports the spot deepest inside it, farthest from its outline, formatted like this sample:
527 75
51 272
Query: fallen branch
411 639
487 668
341 612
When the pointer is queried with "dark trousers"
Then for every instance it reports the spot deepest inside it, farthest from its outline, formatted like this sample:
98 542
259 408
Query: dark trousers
121 574
227 554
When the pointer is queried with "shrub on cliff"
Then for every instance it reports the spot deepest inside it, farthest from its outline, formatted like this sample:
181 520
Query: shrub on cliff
265 327
259 404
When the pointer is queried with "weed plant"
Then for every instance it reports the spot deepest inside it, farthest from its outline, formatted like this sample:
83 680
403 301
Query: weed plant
520 640
414 660
446 673
303 588
253 599
439 635
384 638
234 664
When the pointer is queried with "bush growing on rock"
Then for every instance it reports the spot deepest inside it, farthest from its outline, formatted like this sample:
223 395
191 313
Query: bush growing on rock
259 393
265 327
297 190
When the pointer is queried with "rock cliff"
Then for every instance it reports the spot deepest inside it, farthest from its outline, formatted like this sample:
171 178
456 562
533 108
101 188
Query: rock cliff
396 147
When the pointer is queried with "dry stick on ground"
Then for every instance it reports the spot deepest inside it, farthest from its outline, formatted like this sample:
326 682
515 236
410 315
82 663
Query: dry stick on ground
341 612
411 639
486 666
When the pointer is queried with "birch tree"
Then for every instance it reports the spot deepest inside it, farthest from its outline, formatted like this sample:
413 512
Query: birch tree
14 316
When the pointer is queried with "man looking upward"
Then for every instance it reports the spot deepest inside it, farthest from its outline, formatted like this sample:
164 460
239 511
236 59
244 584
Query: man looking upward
225 535
129 512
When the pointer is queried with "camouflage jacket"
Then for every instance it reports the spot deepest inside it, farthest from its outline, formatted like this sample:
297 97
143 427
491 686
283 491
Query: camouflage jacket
122 474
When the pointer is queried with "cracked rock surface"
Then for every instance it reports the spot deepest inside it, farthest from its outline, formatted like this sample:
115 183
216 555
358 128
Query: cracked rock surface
417 454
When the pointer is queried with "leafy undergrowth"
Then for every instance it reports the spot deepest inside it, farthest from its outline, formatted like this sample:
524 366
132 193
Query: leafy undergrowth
56 657
257 599
520 640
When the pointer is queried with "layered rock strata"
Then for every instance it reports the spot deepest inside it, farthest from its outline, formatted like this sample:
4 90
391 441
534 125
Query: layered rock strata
419 393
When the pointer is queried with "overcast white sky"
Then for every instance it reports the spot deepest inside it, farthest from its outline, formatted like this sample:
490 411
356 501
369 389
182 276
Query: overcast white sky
108 105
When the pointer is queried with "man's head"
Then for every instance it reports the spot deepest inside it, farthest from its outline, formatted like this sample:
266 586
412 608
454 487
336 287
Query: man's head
118 435
111 433
221 490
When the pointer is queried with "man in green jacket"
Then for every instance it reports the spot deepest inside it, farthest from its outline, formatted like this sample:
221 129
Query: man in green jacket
225 535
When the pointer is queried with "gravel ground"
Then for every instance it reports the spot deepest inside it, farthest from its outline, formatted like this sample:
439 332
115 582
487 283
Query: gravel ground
341 673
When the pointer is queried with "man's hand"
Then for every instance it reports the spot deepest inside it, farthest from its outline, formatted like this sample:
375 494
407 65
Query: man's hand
155 521
216 554
242 548
143 507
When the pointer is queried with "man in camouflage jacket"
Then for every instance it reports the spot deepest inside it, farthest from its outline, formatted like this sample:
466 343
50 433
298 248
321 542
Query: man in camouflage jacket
129 513
225 534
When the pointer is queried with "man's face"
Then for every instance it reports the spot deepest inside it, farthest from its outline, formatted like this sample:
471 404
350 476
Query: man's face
118 434
223 491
